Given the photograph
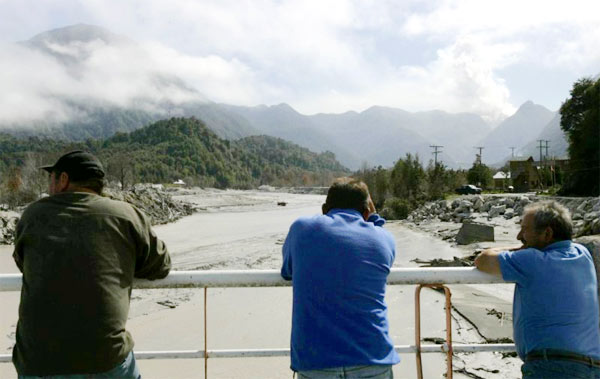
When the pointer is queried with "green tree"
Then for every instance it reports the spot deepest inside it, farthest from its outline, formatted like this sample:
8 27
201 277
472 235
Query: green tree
35 181
480 175
455 179
407 178
437 179
380 190
580 120
120 167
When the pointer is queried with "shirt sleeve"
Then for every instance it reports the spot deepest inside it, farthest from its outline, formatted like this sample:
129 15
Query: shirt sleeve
18 252
517 266
376 219
393 245
286 267
153 260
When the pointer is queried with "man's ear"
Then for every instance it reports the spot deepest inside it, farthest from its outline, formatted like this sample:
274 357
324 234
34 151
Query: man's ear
63 181
549 234
324 208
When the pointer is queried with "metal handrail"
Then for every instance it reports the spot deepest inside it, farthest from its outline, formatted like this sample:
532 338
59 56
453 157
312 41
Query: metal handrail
272 278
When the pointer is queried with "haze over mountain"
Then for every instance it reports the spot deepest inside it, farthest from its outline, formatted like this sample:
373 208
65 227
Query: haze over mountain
284 122
516 131
94 83
389 131
557 141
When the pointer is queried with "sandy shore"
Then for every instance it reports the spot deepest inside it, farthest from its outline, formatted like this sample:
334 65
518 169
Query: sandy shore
245 229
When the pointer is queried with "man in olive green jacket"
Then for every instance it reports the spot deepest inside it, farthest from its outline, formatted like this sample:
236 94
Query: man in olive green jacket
79 253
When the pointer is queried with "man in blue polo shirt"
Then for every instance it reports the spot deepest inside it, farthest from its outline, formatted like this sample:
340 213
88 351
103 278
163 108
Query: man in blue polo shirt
338 263
555 309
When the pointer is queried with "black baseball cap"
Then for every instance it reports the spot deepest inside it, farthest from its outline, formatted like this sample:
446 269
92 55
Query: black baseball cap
78 165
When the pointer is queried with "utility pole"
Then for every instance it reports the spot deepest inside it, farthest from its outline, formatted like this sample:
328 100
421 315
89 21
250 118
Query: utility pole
547 142
553 171
436 152
540 147
479 155
512 149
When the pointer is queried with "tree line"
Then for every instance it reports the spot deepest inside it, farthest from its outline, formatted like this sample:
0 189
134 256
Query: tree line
396 191
167 151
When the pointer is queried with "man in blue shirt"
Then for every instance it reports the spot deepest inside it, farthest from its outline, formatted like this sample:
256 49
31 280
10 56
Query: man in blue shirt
338 263
555 308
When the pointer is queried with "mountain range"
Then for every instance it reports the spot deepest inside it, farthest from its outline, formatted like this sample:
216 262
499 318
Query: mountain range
376 136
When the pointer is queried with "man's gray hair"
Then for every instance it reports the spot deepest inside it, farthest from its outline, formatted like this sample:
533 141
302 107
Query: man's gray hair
554 215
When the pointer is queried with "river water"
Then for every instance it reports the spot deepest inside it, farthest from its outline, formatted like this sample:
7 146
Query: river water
245 230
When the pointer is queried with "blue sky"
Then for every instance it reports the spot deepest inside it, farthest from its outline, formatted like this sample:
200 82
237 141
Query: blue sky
486 57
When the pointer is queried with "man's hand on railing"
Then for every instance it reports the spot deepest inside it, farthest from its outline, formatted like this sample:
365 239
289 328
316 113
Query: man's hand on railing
487 261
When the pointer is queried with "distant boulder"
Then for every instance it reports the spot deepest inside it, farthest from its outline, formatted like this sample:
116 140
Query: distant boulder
474 232
496 211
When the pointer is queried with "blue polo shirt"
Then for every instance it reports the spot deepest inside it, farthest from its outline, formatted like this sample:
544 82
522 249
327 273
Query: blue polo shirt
338 264
556 300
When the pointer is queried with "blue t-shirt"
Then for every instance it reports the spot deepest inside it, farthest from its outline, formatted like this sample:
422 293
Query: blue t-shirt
338 264
556 301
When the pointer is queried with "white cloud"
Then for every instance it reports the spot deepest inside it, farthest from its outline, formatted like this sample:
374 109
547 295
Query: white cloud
461 79
317 57
28 81
500 17
120 75
556 33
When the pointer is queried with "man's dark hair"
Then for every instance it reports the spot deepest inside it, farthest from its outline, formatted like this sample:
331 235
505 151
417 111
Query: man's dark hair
347 193
554 215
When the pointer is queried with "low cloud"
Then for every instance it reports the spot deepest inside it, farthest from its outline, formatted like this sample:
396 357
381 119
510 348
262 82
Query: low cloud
47 85
30 83
348 55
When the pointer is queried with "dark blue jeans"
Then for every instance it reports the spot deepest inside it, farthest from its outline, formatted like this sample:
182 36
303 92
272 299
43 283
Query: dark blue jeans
125 370
558 369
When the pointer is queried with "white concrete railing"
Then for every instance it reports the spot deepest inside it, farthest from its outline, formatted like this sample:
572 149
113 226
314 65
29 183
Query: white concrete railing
272 278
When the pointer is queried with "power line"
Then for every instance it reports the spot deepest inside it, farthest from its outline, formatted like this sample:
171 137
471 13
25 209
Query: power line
540 147
436 151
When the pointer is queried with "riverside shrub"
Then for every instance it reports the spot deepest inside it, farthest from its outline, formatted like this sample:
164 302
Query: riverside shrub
396 208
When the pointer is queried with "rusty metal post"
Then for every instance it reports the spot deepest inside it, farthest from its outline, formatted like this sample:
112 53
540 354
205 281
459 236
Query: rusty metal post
418 331
448 308
449 351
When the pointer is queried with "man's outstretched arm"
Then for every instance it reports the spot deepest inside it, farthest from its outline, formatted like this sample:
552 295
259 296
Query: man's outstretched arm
487 261
152 259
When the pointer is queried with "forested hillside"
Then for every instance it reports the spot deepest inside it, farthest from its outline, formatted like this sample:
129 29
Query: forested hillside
179 148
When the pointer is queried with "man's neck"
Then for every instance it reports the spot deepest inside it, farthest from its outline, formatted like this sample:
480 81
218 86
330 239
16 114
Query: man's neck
551 243
73 188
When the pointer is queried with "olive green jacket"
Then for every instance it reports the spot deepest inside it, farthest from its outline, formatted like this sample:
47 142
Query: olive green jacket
79 253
